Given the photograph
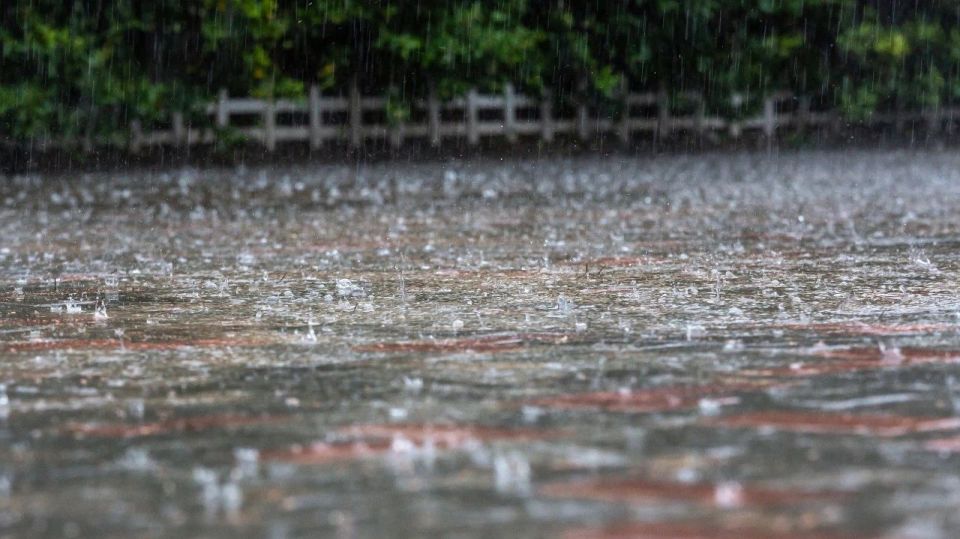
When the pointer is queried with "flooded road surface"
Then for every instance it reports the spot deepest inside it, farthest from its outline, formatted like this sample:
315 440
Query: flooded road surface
713 346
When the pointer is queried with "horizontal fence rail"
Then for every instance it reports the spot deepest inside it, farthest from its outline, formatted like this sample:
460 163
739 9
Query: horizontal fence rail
319 120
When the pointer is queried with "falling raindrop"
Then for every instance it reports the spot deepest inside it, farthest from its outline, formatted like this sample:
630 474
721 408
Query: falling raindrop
100 310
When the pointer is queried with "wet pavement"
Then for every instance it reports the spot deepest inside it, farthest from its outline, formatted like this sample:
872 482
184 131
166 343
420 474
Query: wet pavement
703 346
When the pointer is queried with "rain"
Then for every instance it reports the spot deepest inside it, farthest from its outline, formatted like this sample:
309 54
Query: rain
517 269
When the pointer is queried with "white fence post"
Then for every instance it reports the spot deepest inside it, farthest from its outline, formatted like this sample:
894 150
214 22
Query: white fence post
546 116
701 113
433 113
223 115
769 117
934 121
136 136
583 112
663 114
803 113
396 136
316 118
356 115
395 130
179 133
899 124
623 129
509 112
735 128
270 125
583 115
87 141
583 123
473 135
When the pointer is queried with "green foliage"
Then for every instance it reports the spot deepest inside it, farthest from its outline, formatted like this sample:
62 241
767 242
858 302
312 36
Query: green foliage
900 58
90 67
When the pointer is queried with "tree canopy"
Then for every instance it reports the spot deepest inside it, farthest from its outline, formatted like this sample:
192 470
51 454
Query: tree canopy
76 66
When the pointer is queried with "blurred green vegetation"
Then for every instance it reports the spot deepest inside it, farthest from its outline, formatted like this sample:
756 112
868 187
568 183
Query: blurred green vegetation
89 67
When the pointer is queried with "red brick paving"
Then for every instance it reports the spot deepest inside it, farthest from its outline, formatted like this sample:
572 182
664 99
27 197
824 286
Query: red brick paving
894 356
167 426
376 440
323 452
861 328
617 262
882 425
661 399
656 530
944 445
846 360
48 320
485 273
485 343
109 344
642 490
450 435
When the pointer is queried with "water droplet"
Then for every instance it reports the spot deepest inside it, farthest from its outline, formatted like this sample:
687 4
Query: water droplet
100 311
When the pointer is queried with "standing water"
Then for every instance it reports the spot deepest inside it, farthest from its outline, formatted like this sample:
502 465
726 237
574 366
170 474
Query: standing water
732 346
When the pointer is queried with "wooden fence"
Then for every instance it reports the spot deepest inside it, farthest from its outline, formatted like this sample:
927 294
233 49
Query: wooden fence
322 119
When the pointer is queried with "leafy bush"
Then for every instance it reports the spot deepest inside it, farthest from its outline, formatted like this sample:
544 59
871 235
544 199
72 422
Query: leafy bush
90 67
